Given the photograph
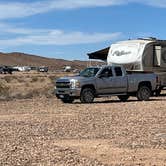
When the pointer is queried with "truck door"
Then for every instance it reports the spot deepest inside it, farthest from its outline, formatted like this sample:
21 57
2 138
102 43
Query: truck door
105 83
120 80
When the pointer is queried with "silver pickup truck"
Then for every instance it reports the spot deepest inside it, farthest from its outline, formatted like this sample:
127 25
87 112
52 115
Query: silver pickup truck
106 81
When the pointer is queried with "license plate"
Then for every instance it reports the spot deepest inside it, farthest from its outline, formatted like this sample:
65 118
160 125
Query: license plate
61 96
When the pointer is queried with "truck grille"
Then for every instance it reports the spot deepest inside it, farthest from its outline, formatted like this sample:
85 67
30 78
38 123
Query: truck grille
62 84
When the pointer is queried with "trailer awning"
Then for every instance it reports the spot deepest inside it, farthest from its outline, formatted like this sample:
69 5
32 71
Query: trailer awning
101 54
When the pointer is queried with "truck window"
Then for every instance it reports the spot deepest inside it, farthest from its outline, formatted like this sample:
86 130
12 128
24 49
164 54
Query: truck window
89 72
107 71
118 71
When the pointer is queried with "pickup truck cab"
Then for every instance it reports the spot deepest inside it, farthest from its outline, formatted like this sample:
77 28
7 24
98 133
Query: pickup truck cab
107 80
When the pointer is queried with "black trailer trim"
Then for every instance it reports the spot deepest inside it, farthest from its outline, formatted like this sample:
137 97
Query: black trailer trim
101 54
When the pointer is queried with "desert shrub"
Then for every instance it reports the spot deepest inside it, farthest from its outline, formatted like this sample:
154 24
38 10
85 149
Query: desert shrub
48 91
27 84
38 92
4 90
52 78
8 79
28 95
20 80
34 79
33 93
42 79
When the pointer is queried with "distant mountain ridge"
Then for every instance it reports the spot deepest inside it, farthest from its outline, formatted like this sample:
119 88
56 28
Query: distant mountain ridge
22 59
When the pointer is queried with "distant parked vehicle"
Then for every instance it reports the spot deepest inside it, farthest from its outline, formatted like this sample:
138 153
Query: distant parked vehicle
43 69
1 70
22 68
34 68
14 69
6 70
76 71
67 69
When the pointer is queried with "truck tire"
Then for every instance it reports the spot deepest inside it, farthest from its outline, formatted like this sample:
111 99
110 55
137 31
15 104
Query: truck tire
68 100
87 95
123 97
143 93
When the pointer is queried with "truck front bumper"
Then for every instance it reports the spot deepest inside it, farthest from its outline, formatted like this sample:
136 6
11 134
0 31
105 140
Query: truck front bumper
67 93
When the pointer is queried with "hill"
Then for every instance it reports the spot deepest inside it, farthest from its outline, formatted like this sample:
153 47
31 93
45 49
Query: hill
22 59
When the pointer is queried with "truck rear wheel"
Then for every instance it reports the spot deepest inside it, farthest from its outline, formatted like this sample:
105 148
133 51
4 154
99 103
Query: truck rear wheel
87 95
123 97
143 93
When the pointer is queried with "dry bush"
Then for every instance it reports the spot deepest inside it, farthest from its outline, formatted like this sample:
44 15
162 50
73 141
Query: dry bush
20 80
8 79
47 92
42 79
34 79
23 86
27 84
4 90
52 78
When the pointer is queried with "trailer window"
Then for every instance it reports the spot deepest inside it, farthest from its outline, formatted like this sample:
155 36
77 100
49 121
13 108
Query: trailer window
118 71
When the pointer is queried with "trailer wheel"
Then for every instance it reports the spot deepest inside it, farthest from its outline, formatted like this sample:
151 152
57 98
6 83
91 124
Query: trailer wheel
87 95
143 93
123 97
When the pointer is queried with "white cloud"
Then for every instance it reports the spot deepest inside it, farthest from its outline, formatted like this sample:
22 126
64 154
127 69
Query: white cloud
25 36
13 29
18 10
72 38
156 3
22 9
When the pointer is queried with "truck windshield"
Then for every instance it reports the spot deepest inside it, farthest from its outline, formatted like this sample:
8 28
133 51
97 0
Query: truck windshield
89 72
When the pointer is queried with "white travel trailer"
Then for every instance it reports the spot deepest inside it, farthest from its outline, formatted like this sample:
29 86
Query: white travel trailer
141 54
137 55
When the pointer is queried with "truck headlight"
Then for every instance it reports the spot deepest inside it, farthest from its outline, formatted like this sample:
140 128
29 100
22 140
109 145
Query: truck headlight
74 84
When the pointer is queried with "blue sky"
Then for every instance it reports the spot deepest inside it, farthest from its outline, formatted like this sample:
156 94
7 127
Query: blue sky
69 29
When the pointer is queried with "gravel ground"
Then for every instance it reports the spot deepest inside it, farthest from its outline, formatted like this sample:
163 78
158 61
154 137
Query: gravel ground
44 131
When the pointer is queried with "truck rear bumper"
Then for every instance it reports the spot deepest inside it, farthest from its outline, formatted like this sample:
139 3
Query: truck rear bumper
66 93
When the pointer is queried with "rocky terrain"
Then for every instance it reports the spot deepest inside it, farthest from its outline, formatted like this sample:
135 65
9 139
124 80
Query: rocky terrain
38 129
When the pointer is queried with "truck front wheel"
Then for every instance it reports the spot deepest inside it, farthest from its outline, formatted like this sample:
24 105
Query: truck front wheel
87 95
143 93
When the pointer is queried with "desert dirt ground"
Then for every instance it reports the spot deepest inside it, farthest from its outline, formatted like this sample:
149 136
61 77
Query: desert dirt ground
41 130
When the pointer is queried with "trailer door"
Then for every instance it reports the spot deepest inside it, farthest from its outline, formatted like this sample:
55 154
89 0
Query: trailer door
157 56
